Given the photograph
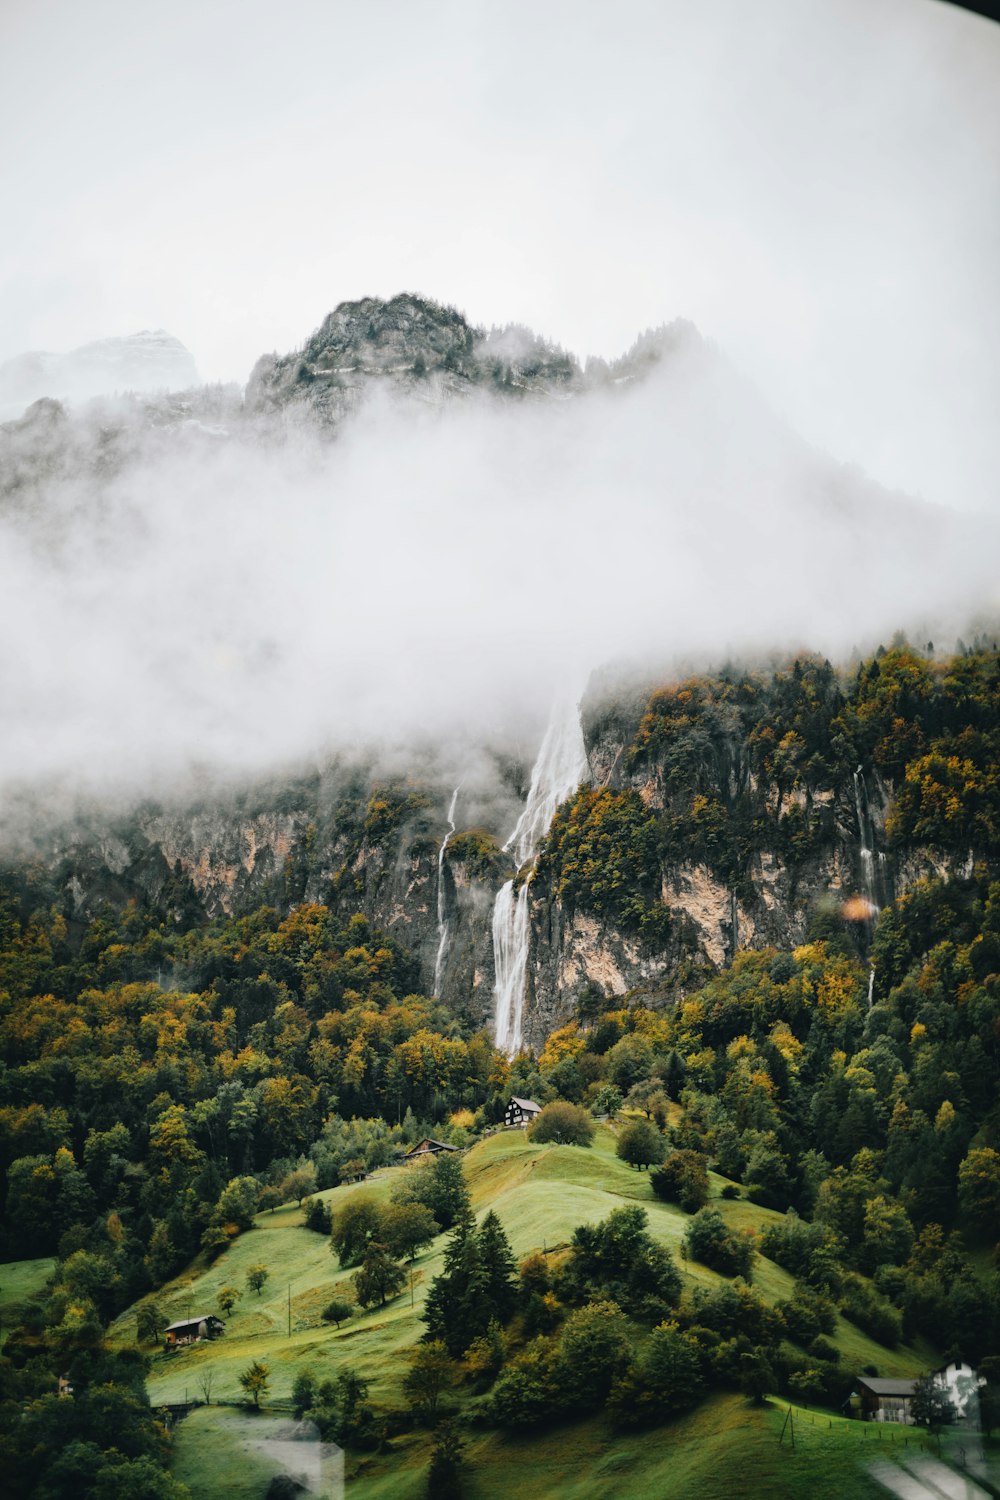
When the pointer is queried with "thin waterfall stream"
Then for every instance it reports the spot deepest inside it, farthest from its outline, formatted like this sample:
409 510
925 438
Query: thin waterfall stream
561 766
442 905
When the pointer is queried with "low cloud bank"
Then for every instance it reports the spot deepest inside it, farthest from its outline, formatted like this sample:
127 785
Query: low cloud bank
431 575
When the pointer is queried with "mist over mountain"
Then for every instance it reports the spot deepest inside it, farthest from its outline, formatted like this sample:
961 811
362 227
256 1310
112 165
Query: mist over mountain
410 530
152 360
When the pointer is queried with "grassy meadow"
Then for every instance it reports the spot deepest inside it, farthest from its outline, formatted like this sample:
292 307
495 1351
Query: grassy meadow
541 1193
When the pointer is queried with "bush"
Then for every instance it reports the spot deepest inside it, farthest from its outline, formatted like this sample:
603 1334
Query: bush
711 1241
593 1349
683 1179
618 1258
666 1378
563 1124
863 1306
730 1191
807 1314
318 1216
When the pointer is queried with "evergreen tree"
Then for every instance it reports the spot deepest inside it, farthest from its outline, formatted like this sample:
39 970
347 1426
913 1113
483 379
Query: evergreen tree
454 1310
499 1269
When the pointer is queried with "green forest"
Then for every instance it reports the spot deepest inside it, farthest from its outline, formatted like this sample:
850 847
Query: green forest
821 1121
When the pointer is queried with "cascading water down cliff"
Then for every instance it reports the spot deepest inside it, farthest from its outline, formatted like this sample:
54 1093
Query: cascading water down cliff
444 931
870 870
561 766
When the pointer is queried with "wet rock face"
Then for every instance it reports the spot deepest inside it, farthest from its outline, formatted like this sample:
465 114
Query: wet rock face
335 837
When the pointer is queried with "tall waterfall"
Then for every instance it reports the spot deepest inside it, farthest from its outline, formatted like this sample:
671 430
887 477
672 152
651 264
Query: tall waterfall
867 857
560 767
442 910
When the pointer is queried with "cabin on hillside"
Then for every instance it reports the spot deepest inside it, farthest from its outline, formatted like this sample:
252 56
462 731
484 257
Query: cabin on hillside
428 1147
961 1383
884 1400
189 1330
521 1112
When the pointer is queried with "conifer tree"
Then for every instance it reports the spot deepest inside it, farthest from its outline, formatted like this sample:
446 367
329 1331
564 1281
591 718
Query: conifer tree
498 1267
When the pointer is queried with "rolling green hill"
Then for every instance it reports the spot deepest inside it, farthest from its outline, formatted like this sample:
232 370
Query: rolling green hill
541 1193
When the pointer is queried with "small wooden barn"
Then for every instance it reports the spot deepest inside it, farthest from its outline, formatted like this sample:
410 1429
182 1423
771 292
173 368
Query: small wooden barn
884 1400
189 1330
428 1147
521 1111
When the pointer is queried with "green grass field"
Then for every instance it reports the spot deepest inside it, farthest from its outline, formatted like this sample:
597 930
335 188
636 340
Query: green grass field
727 1448
541 1193
20 1279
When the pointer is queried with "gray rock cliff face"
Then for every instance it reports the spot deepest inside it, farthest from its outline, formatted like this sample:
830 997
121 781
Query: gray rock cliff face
307 841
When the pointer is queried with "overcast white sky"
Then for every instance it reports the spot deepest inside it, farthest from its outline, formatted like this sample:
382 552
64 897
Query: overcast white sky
816 183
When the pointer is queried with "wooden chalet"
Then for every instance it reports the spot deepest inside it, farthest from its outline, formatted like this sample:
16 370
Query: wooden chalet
884 1400
428 1147
189 1330
521 1111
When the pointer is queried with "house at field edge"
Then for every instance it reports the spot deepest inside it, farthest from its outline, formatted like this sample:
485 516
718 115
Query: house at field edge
962 1384
883 1400
521 1112
189 1330
428 1147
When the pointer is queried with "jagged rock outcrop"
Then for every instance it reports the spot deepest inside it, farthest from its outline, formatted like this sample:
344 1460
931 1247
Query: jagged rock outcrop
413 346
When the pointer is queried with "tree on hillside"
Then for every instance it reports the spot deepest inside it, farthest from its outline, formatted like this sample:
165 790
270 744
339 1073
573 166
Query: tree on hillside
238 1202
303 1393
149 1321
757 1377
354 1224
379 1278
227 1298
454 1310
979 1188
607 1101
499 1270
256 1277
319 1217
618 1258
594 1347
407 1228
255 1381
444 1477
931 1405
432 1371
439 1186
683 1179
640 1144
709 1239
337 1311
563 1124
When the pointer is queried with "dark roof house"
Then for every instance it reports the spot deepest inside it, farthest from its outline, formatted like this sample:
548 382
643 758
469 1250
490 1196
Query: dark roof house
521 1111
428 1147
884 1400
204 1326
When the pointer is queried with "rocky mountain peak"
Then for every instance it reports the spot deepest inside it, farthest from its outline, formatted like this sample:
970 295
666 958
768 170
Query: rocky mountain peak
407 327
418 346
151 360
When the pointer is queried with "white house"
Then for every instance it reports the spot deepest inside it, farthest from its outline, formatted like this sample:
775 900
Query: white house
962 1383
521 1112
